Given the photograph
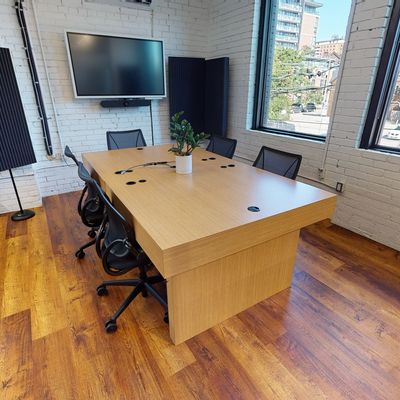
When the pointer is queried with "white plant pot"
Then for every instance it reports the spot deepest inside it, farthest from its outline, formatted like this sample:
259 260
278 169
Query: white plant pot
183 164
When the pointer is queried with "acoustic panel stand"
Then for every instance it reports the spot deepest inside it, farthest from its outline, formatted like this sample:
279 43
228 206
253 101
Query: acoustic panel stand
22 214
16 148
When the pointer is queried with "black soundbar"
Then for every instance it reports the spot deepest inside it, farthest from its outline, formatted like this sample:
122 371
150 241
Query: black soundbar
120 103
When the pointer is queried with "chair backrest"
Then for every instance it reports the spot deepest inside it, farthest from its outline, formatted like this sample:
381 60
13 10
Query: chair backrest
125 139
88 202
278 162
90 205
115 225
223 146
68 153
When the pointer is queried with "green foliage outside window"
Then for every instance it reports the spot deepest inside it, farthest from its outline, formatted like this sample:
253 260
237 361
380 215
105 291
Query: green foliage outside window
291 83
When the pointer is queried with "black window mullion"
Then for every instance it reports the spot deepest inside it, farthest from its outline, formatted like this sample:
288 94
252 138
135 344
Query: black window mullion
261 70
384 81
261 102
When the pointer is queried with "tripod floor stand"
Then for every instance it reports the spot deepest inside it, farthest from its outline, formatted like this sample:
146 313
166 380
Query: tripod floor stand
22 214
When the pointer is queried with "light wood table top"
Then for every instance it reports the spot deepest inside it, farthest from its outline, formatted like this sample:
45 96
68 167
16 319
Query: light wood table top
180 218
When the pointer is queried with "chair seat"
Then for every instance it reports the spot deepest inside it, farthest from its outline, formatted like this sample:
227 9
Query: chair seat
126 263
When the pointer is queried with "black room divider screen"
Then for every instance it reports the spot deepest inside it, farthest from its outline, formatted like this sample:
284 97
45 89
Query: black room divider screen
16 148
199 87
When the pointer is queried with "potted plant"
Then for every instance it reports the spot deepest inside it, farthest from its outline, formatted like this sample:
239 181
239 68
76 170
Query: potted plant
186 141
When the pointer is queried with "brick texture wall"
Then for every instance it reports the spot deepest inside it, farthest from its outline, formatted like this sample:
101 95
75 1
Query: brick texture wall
83 123
370 204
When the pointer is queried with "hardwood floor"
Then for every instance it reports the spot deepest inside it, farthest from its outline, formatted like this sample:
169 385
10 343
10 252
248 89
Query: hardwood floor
334 335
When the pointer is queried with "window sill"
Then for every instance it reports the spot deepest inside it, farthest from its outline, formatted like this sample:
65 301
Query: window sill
383 151
309 138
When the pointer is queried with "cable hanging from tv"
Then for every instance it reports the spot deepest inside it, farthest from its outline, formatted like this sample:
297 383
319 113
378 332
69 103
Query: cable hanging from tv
34 77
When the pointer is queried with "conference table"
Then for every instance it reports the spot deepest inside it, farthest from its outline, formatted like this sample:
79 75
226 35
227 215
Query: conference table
223 237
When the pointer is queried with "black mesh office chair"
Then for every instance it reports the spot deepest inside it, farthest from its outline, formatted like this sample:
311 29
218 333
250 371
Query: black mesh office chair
223 146
117 247
278 162
90 208
125 139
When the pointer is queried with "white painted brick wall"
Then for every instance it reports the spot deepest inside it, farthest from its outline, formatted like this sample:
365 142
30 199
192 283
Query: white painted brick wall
370 204
83 123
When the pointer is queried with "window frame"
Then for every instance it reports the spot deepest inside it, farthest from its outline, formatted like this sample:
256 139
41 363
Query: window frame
264 43
384 86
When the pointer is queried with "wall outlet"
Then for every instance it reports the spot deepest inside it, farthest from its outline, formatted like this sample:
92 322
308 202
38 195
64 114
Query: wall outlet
339 187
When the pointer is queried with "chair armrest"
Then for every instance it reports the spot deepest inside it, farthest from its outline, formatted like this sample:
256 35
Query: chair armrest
83 214
100 235
81 200
108 268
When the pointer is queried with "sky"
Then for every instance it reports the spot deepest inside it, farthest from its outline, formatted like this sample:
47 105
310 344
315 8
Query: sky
333 18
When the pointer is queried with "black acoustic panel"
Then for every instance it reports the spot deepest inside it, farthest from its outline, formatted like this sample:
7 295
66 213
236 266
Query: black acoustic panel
186 89
216 96
15 143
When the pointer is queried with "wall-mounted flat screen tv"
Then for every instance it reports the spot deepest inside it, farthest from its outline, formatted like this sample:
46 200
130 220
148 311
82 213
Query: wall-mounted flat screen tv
104 66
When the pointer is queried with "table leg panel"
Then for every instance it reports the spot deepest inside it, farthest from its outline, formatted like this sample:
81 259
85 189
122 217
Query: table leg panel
201 298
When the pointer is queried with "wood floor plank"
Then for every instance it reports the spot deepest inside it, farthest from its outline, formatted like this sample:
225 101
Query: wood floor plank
222 370
52 379
3 257
248 350
15 228
373 353
328 341
16 366
47 308
171 358
349 246
307 368
259 321
192 383
17 276
381 332
334 334
309 260
3 229
301 350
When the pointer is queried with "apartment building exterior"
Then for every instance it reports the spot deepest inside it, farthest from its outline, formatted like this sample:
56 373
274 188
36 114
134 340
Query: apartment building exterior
297 23
329 48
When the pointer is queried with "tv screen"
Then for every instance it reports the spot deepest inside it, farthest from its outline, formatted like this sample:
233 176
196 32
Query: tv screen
112 66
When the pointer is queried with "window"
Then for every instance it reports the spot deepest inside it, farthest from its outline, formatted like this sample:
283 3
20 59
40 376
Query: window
382 126
299 55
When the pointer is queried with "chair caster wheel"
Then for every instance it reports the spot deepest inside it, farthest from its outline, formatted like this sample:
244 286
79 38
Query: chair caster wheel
111 326
102 290
92 234
166 319
80 254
